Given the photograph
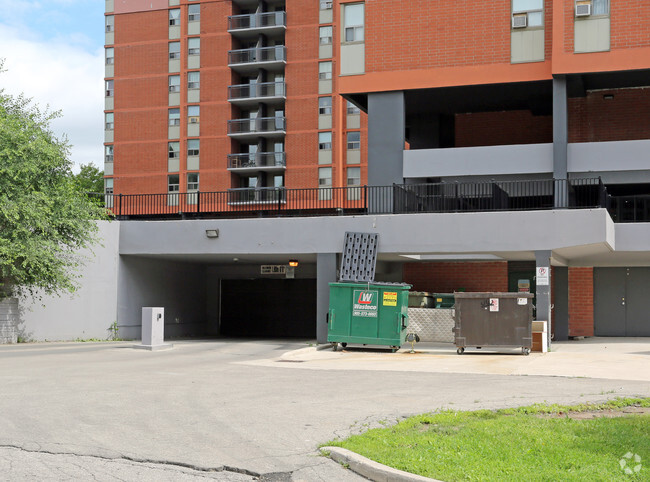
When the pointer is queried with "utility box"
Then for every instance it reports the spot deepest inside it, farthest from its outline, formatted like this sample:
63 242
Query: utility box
153 329
490 320
368 313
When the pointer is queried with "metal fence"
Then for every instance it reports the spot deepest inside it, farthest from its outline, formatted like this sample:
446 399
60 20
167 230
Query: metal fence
395 199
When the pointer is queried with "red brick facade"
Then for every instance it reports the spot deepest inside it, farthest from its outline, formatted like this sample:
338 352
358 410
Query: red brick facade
447 277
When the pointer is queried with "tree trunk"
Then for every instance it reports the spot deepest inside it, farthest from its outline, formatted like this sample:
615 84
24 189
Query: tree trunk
8 320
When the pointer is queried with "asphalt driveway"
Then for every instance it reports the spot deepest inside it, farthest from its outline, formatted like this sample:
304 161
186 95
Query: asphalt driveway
232 409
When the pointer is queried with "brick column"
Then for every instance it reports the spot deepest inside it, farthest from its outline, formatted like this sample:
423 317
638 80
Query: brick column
581 302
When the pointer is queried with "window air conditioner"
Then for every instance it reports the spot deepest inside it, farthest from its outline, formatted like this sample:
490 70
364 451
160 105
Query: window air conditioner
583 9
520 20
194 120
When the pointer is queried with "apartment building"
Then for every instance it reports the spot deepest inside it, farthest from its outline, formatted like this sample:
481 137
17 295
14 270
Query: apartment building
484 142
234 96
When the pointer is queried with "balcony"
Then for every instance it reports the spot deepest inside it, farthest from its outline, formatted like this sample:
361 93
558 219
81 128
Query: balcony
272 59
271 93
261 161
260 195
251 25
268 127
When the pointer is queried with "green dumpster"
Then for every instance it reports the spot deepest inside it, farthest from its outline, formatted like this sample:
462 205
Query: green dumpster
368 313
444 300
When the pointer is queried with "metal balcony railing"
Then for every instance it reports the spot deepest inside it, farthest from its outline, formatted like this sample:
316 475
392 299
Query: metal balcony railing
259 125
630 209
257 160
256 91
360 200
277 53
256 195
257 20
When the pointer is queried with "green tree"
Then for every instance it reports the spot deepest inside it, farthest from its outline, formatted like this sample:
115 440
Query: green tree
90 178
45 218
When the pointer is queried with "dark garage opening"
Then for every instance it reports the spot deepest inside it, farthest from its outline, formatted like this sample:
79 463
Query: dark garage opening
269 308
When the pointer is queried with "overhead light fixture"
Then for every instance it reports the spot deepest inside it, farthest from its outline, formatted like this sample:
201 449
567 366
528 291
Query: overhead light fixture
293 263
608 96
212 233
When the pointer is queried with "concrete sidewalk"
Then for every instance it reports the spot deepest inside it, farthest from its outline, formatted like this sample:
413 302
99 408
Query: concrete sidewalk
609 358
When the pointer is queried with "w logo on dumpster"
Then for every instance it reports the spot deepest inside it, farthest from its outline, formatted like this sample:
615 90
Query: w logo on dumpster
365 303
365 298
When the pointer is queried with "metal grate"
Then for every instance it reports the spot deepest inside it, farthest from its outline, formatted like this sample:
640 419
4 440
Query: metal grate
359 257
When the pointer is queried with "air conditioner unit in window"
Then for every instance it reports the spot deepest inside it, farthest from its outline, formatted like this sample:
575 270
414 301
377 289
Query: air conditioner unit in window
520 20
194 120
583 9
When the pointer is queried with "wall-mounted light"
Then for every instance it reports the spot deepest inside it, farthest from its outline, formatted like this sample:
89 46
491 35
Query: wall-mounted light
608 96
212 233
293 263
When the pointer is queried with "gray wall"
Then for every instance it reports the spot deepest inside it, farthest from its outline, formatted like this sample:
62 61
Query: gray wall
91 310
386 135
178 287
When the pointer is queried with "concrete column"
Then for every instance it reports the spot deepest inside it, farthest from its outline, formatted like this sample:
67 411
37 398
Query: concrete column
543 291
325 274
386 126
561 310
560 139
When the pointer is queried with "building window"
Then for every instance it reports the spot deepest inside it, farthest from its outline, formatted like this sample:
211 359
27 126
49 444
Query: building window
193 80
174 17
194 13
353 109
174 83
528 13
109 88
354 176
325 70
354 21
193 46
174 50
172 183
192 181
600 7
324 141
110 23
354 140
325 177
109 123
326 5
173 150
193 112
326 35
108 186
193 147
174 117
108 153
325 105
110 56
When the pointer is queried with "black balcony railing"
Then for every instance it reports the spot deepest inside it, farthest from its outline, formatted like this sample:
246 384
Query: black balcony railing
259 125
254 55
258 160
256 91
257 20
630 209
395 199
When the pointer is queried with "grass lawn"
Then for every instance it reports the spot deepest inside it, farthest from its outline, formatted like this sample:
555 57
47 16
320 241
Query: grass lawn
539 442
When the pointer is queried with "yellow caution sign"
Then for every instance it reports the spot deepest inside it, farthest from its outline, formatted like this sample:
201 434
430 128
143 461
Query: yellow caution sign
390 298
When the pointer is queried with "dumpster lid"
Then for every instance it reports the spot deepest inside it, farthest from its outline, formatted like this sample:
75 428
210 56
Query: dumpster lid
359 257
492 294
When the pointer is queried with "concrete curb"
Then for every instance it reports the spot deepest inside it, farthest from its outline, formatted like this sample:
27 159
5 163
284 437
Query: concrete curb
370 469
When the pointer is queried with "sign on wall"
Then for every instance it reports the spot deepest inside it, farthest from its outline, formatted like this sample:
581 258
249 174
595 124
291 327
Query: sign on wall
542 277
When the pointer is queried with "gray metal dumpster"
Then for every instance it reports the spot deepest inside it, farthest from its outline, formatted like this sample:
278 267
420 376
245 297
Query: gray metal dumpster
491 320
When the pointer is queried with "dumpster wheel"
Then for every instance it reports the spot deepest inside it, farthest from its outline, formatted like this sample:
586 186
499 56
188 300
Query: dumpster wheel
525 350
460 350
393 349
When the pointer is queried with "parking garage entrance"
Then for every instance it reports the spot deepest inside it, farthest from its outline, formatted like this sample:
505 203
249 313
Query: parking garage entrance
268 308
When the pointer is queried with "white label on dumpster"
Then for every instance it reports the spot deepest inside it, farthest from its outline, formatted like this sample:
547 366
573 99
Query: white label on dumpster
522 301
365 303
494 304
542 276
